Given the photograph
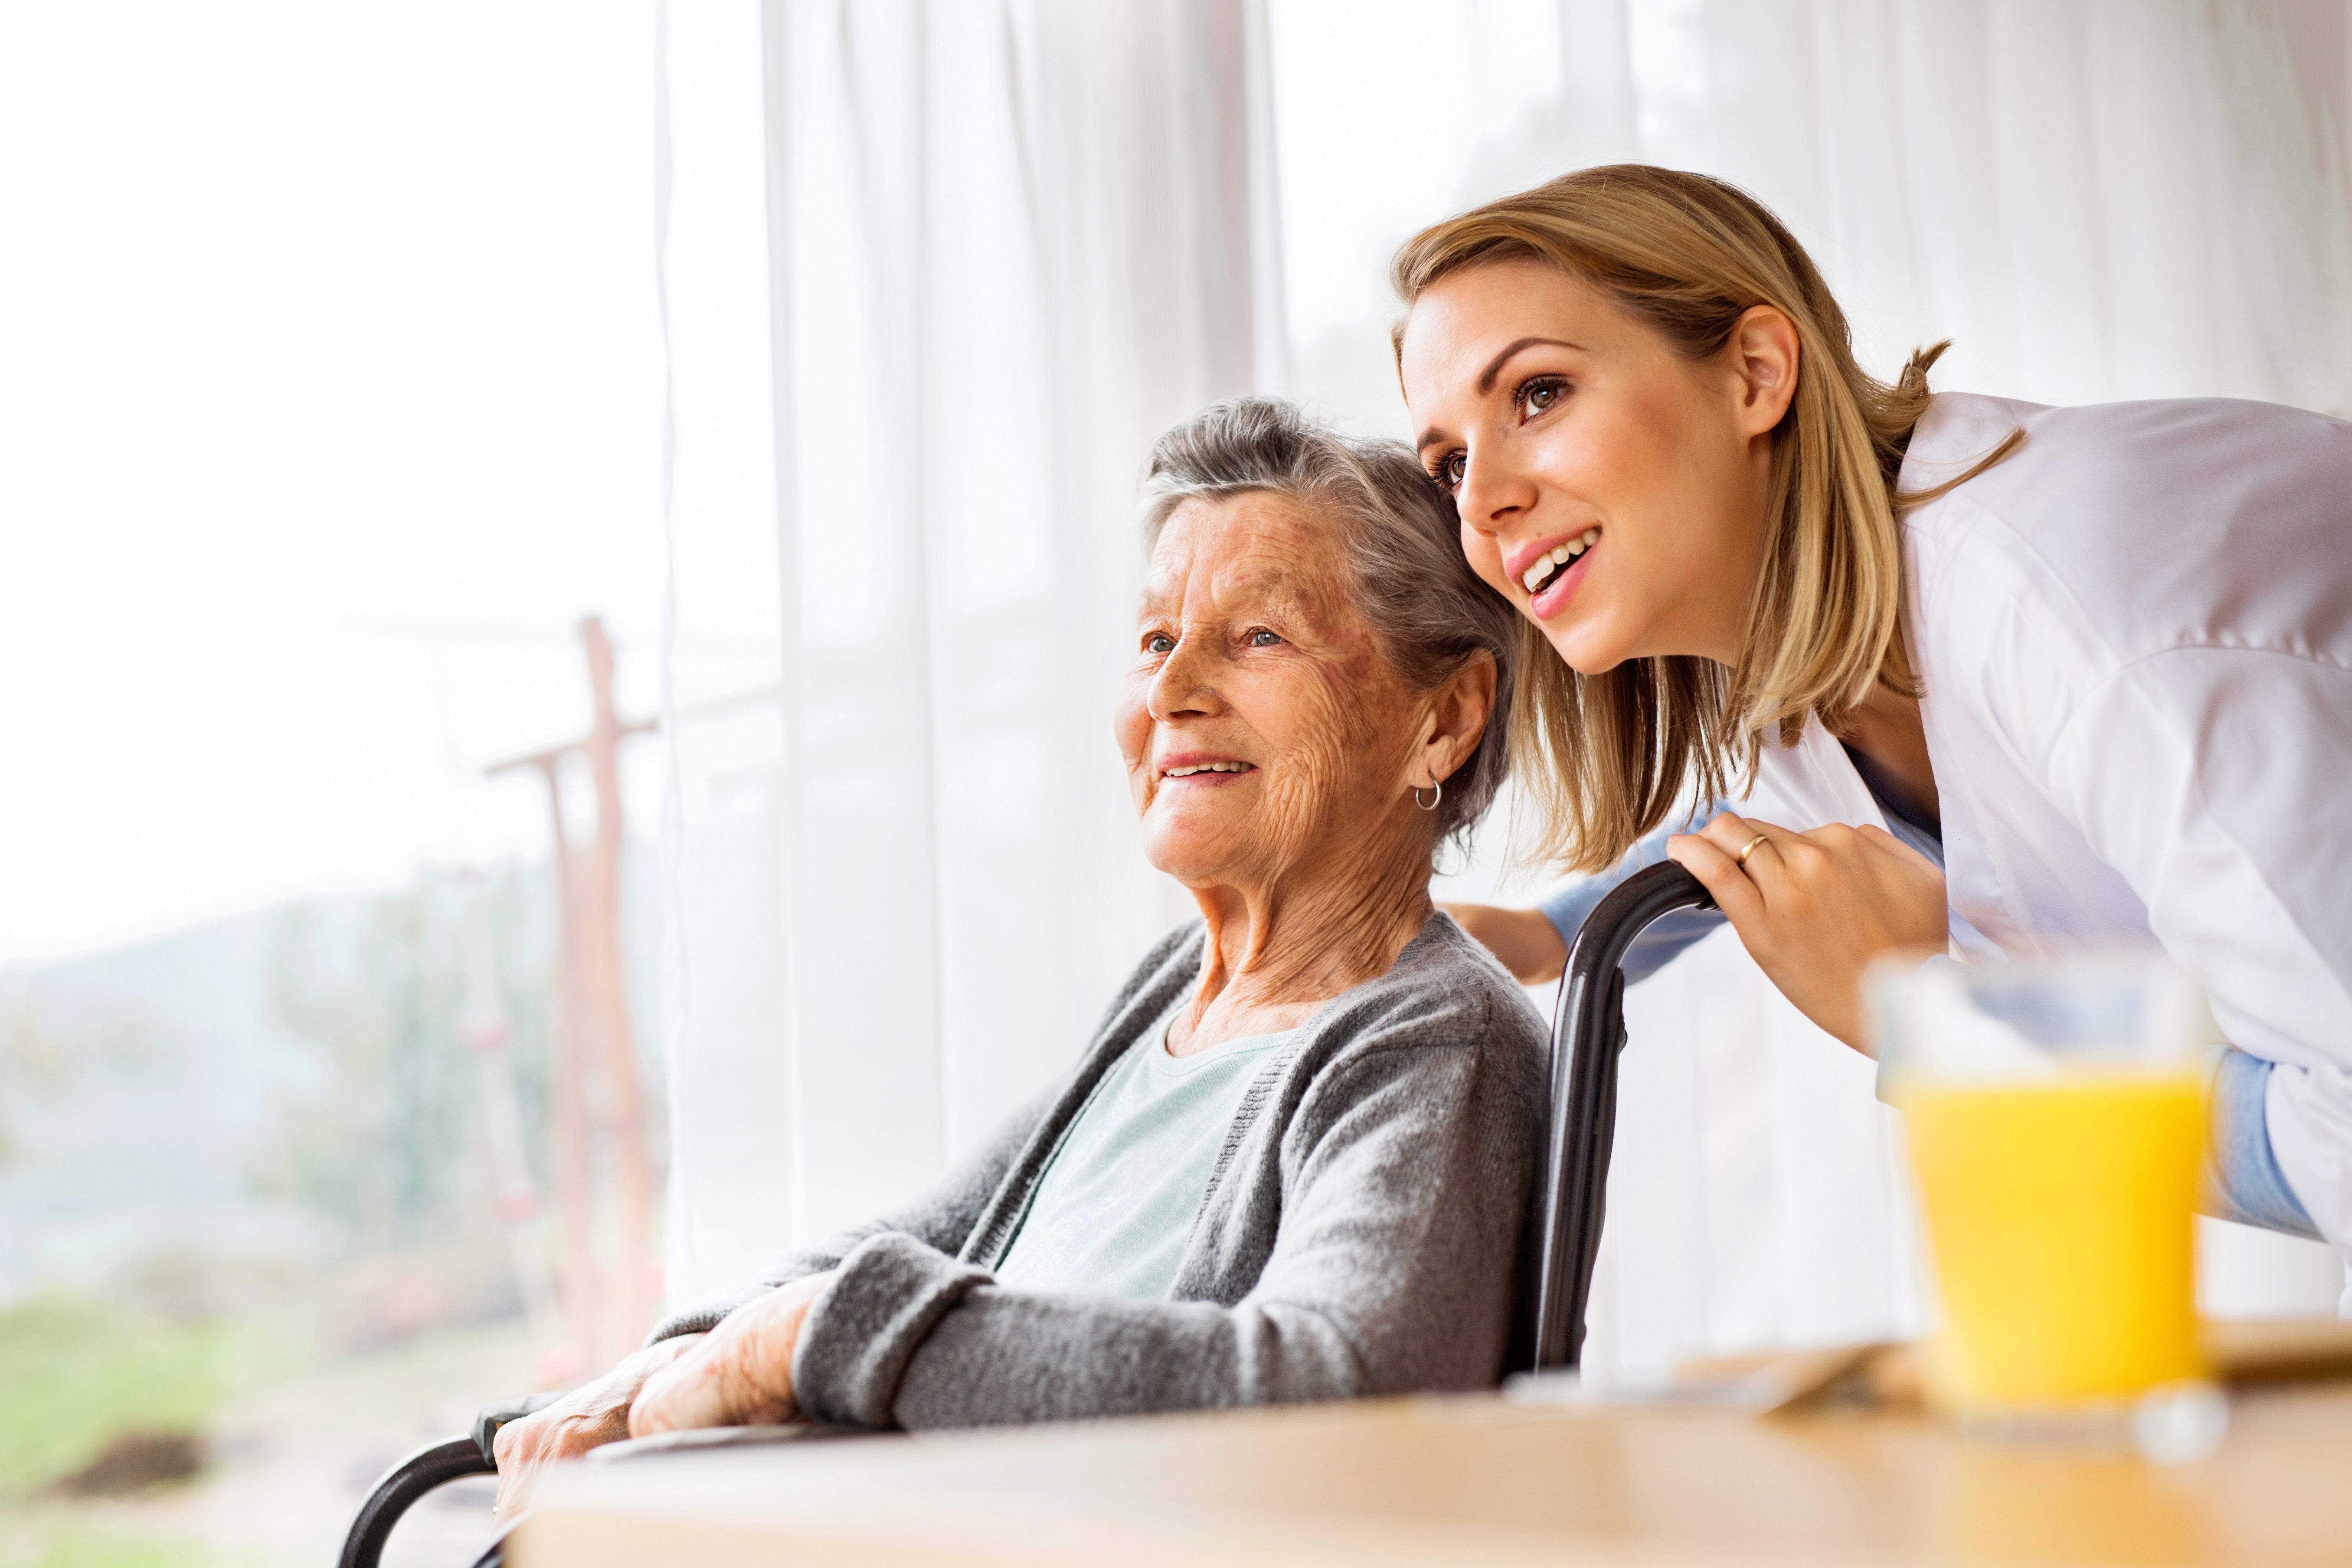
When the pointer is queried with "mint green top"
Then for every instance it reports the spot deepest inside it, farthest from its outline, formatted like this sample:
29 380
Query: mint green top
1116 1208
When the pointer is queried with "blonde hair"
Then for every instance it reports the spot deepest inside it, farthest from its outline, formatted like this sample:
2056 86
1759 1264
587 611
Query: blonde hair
1603 758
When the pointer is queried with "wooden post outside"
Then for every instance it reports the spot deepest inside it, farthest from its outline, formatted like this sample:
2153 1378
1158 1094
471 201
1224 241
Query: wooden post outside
598 1142
568 1065
632 1286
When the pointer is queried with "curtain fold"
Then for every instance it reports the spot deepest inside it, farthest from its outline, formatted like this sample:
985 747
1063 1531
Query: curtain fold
2094 202
1008 244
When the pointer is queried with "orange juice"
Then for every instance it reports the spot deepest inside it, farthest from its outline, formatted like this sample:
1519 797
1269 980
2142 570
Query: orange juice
2061 1215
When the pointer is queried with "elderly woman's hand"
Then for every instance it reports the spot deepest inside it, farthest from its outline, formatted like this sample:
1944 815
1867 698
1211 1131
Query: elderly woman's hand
589 1416
742 1372
1815 909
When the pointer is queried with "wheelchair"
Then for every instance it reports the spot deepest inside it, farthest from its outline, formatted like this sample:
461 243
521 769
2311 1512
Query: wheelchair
1588 1034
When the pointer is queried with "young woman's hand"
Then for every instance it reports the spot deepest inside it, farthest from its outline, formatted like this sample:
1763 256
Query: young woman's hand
589 1416
1815 909
742 1372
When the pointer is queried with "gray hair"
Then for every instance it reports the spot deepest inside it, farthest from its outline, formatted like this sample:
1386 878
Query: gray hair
1423 604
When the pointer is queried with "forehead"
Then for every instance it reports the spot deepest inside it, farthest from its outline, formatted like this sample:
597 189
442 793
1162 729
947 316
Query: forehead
1464 320
1255 545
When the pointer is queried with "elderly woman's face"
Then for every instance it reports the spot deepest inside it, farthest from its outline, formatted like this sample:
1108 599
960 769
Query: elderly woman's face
1261 723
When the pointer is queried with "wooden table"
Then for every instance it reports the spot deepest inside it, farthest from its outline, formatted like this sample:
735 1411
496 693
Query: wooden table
1469 1481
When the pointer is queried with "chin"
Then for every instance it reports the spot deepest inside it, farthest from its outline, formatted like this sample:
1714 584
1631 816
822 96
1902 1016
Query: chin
1184 852
1189 871
1585 650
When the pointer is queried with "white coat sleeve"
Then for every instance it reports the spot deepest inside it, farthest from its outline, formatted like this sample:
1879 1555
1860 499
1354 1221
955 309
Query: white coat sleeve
2215 779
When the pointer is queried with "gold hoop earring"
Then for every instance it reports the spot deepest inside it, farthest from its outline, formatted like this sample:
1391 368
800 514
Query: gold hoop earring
1437 792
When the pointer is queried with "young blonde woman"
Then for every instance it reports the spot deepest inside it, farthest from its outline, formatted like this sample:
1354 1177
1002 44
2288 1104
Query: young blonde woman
2004 677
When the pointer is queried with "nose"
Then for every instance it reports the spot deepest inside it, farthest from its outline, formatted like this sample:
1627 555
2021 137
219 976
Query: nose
1184 687
1495 491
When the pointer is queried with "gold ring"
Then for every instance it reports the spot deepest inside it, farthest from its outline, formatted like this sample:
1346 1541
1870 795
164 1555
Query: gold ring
1748 848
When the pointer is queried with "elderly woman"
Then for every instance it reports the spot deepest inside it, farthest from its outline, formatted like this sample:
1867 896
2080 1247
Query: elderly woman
1293 1161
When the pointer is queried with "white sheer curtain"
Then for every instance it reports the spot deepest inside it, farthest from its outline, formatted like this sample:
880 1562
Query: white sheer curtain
1007 241
2095 201
1007 244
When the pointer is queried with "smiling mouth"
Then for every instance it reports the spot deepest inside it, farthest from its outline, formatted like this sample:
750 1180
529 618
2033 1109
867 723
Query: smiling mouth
1545 570
1191 769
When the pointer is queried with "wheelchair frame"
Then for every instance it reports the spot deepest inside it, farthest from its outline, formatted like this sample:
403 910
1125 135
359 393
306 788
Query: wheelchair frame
1587 1033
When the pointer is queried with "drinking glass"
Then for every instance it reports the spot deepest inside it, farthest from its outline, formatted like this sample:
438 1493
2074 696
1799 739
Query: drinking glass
2056 1113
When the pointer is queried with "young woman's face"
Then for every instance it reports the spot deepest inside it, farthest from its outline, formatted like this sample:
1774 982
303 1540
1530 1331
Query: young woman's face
1611 488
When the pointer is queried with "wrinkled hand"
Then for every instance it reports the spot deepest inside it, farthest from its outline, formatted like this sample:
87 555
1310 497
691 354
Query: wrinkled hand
588 1418
1815 909
742 1372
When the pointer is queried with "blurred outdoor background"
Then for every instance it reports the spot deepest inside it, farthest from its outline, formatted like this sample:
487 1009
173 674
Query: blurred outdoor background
561 567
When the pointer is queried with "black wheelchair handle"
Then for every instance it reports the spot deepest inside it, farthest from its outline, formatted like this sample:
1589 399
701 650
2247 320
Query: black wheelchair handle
429 1469
1588 1031
486 1425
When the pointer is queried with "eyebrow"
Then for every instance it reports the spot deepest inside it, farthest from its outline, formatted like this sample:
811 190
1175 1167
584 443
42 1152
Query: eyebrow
1494 366
1432 435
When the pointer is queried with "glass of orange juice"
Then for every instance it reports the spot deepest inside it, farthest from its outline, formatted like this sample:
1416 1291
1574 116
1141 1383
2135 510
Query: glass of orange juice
2056 1115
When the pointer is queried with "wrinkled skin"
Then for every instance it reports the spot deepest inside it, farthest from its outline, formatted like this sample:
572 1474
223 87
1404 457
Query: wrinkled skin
1549 412
742 1372
588 1418
1311 870
739 1375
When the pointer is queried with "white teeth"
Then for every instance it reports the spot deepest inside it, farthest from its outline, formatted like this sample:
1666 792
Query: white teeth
1558 555
1591 537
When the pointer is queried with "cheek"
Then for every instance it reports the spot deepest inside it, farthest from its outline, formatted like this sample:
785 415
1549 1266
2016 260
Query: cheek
1592 459
1626 469
1130 723
1484 554
1334 725
1298 721
1655 450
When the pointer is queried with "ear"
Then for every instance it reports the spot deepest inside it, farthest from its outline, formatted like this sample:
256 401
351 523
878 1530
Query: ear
1764 348
1457 718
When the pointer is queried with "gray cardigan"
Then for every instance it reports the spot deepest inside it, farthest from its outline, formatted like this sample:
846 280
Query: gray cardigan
1360 1234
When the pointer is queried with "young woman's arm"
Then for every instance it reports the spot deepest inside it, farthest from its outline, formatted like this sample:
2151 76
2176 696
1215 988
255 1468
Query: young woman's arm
1533 943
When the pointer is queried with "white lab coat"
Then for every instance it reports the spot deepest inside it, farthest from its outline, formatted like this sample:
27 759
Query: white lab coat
2135 638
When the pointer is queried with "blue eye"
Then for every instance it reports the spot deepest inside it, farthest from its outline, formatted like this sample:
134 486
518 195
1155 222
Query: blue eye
1161 642
1263 639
